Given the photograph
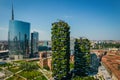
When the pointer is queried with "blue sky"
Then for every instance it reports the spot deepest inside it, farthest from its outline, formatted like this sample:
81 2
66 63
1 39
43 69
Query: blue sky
94 19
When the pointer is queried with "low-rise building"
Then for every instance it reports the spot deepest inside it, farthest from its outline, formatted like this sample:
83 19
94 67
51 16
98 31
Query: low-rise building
45 59
112 64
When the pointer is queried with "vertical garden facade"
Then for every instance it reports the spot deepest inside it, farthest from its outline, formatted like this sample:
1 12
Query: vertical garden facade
82 56
60 50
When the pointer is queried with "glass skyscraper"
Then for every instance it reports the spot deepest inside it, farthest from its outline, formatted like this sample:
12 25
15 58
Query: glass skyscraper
34 43
18 39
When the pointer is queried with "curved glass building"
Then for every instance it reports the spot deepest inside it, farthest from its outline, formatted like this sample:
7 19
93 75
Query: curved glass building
18 39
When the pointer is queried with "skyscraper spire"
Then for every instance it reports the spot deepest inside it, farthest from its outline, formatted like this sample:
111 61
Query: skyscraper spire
12 11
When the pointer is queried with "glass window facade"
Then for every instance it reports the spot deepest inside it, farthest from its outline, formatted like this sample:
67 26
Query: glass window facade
34 43
18 38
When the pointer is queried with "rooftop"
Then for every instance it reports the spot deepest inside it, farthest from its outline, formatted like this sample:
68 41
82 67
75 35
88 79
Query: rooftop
112 63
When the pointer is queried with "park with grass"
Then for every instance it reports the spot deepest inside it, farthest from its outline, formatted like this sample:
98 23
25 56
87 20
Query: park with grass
22 70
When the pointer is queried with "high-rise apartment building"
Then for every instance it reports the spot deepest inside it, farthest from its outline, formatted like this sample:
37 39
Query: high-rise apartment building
82 56
18 38
60 50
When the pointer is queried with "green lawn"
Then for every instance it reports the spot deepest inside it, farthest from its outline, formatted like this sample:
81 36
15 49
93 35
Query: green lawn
19 61
0 69
32 74
15 78
14 69
30 71
40 78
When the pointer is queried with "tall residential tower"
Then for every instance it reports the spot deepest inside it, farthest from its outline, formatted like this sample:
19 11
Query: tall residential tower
60 50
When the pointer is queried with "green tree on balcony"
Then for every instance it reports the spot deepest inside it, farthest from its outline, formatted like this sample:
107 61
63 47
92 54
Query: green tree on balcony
60 50
82 56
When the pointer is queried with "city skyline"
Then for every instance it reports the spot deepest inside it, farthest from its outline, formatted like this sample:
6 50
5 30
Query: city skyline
94 19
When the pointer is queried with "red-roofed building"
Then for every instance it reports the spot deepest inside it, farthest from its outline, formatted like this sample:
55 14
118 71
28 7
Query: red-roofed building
112 63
